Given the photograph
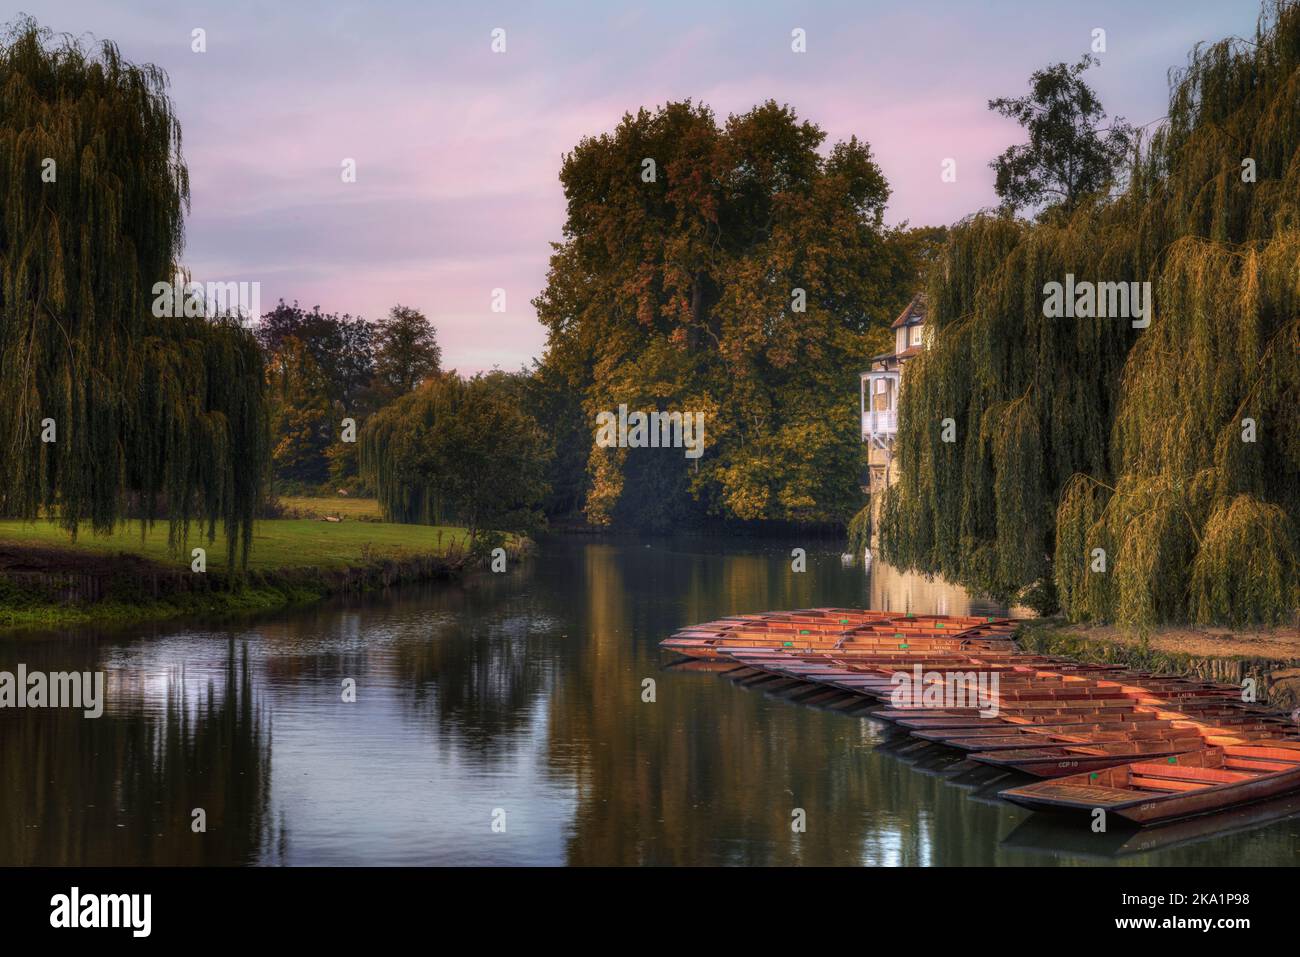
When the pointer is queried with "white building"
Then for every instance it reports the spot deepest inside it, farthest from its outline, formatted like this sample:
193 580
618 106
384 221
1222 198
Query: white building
879 394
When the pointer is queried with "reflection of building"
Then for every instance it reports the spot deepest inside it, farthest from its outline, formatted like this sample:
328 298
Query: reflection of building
879 395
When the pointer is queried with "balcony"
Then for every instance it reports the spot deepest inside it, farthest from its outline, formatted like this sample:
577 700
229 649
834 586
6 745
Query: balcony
884 424
879 406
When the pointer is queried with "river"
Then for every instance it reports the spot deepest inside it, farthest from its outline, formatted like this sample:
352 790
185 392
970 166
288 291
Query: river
500 720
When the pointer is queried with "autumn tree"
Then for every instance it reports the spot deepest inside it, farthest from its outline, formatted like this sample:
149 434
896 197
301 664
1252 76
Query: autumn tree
302 414
320 370
341 347
734 269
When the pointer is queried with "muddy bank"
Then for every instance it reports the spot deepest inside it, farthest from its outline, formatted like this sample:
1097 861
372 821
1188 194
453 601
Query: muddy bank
43 585
1271 658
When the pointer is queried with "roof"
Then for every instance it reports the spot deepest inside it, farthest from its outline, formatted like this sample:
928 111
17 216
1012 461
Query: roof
897 357
914 313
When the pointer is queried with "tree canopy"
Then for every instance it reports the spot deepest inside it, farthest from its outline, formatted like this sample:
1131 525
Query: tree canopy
458 451
1070 154
406 352
105 403
1150 474
731 269
341 348
322 368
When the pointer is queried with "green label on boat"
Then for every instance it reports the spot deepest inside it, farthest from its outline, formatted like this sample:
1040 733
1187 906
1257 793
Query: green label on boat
1093 776
844 621
902 646
788 644
803 631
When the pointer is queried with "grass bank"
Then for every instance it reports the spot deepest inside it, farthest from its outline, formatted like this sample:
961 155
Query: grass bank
133 574
358 509
1271 658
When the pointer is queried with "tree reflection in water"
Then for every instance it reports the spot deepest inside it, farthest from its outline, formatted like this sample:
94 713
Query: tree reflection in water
121 788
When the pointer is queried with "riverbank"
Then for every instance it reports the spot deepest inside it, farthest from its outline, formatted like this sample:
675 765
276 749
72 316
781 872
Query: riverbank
133 574
1271 657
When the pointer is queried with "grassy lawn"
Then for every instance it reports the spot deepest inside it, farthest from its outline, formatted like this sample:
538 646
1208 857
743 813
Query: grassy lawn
279 543
296 560
355 508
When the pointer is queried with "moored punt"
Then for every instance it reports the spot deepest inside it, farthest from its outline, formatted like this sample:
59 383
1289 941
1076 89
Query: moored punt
969 688
937 729
969 739
1032 738
1044 834
838 627
1010 736
1060 760
969 718
1153 792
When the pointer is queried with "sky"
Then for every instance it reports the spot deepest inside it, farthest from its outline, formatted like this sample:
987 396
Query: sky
458 149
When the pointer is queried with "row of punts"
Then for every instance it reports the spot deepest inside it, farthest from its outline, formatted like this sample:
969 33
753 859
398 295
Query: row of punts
1150 748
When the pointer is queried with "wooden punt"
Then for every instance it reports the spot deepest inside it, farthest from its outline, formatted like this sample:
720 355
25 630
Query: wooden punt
934 726
837 627
1050 717
1060 760
1142 725
1094 730
1040 739
1186 785
1166 731
1052 835
935 729
955 717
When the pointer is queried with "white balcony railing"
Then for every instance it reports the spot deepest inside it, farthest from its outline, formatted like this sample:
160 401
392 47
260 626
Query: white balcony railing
879 424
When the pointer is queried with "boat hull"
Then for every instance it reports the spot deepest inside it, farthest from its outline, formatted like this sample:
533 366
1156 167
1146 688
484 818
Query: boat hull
1084 794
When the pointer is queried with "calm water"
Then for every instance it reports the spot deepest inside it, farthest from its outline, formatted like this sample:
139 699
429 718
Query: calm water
518 693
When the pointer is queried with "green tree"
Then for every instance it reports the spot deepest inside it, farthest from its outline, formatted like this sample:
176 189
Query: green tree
406 352
341 348
1151 474
918 249
559 414
739 276
321 370
162 410
301 414
1070 154
458 451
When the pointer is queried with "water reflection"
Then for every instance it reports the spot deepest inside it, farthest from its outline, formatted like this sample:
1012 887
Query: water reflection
122 788
520 694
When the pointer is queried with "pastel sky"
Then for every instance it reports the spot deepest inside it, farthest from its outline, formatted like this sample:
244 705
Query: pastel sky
458 148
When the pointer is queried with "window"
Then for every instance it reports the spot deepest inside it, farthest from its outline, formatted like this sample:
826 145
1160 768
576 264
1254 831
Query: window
914 335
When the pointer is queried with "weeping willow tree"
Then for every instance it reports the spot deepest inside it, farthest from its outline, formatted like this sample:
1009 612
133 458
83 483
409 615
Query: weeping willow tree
107 408
1152 474
458 451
